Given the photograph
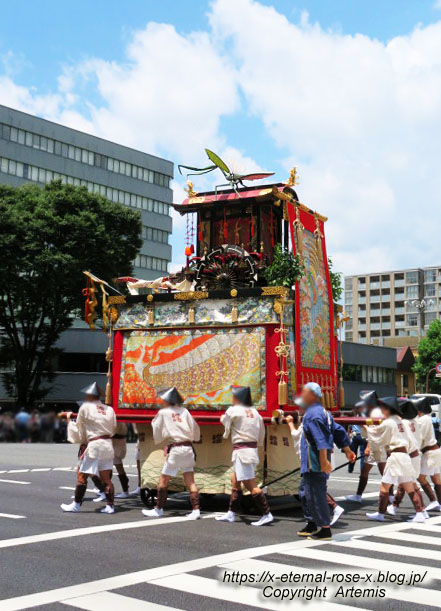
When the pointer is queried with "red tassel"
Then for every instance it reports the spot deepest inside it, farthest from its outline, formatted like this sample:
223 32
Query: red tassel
272 227
225 226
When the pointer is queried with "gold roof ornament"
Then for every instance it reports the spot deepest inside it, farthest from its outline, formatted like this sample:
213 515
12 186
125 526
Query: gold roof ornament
190 191
293 179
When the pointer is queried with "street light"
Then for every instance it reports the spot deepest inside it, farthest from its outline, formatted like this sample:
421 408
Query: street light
420 305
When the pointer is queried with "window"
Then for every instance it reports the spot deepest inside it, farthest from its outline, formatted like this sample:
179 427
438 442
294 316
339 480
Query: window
430 275
430 290
412 320
412 292
412 277
429 317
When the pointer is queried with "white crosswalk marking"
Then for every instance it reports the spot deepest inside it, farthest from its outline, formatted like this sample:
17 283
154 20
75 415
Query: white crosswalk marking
388 548
181 576
364 562
246 595
410 538
12 516
111 602
418 596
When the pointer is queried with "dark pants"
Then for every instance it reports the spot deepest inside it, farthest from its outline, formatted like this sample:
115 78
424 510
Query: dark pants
313 497
357 443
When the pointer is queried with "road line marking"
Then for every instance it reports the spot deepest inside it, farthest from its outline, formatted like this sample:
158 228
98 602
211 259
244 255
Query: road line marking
18 471
388 548
419 596
13 516
215 589
41 469
63 469
110 600
120 581
410 538
366 562
93 530
13 481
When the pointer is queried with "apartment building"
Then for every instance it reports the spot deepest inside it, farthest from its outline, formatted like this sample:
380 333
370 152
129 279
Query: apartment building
386 306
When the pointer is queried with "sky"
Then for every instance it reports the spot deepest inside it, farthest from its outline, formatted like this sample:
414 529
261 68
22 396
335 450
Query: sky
347 90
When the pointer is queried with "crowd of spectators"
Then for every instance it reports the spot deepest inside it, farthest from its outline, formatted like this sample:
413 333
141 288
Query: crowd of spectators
32 427
36 426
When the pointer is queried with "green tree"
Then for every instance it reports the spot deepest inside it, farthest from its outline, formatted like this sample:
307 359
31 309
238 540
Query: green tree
429 354
48 237
336 283
286 268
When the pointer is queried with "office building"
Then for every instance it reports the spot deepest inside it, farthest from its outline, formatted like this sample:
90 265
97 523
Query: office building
383 307
36 150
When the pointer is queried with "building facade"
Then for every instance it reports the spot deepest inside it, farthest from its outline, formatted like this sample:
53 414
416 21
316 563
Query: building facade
368 368
38 151
382 306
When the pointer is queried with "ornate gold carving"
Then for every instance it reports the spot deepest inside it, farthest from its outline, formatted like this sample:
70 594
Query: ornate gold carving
113 315
274 290
149 297
293 179
233 292
116 299
189 189
188 296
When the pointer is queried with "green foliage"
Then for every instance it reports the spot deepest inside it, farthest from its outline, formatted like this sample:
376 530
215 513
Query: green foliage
336 283
48 237
429 354
286 268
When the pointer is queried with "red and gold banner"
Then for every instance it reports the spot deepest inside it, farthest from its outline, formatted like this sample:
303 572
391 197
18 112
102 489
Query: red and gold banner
315 346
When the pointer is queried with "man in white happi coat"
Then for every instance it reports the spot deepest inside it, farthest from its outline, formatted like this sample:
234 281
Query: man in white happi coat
409 415
94 427
247 430
175 425
391 435
369 403
430 454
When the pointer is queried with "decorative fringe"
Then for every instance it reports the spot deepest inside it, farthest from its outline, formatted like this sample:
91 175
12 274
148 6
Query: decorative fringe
342 395
319 247
151 316
283 392
191 316
108 392
234 314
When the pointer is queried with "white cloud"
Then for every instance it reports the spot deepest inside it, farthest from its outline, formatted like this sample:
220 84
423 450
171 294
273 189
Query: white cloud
360 117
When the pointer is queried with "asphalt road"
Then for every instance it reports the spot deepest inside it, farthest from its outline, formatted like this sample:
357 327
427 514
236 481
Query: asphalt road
53 560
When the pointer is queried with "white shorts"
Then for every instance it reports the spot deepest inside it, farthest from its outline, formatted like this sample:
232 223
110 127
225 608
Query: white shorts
370 460
93 466
244 471
416 464
425 469
388 478
180 458
120 450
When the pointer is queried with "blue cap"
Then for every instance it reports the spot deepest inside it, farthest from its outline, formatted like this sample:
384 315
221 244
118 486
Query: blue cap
315 388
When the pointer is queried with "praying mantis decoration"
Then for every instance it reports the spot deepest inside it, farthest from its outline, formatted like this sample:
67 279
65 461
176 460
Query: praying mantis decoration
233 179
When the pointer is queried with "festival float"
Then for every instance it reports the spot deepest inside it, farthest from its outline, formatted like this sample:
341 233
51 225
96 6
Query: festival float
219 322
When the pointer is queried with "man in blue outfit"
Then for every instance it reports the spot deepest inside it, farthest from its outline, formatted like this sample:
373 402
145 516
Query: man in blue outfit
316 445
